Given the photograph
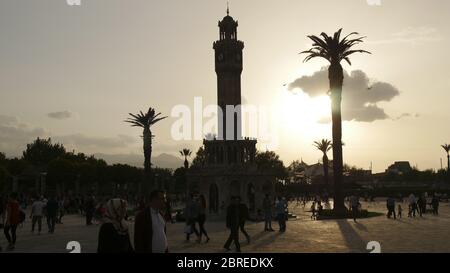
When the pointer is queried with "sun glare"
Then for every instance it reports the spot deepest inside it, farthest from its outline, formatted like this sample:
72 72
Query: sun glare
305 114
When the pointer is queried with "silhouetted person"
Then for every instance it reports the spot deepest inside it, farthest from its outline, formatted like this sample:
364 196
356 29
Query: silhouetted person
12 220
202 218
390 204
413 204
420 204
399 211
52 213
37 211
150 227
435 205
191 214
243 217
168 211
232 223
280 208
267 207
354 205
89 210
113 236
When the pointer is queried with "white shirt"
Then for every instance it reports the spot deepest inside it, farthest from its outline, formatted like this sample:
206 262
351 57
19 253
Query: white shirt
37 208
159 239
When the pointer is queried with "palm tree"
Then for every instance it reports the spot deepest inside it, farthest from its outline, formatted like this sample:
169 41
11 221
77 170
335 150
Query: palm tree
334 50
447 150
186 152
145 121
324 146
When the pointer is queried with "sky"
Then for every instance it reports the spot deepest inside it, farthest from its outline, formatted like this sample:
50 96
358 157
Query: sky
74 73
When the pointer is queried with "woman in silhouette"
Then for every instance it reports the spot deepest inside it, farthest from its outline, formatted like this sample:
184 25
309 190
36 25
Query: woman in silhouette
202 218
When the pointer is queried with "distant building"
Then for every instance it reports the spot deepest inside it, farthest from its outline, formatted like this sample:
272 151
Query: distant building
399 167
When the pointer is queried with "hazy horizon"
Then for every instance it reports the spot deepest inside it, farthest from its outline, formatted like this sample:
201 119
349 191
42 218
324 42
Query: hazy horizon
74 73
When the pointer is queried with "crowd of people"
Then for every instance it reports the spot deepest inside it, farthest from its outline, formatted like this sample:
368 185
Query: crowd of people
153 214
416 206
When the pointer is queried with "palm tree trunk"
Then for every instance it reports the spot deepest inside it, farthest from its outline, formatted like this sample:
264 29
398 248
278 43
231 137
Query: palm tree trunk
336 78
186 163
147 139
325 171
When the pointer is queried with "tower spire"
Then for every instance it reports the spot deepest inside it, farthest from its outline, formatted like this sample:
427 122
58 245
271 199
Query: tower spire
228 8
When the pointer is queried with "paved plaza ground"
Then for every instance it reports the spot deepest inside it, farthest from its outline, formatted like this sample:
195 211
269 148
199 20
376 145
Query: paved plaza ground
428 234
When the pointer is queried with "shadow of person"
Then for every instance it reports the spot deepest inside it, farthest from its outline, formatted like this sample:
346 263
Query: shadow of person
352 239
361 227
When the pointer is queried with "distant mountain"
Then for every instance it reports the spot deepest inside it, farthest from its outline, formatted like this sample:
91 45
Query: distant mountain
162 161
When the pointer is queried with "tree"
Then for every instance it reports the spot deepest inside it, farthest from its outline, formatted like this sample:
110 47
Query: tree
179 176
186 152
2 158
145 121
334 50
41 151
270 161
200 158
60 173
324 146
4 174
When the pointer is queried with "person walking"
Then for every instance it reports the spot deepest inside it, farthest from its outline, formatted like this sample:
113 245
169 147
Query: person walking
313 211
243 217
267 207
150 227
435 204
280 208
202 218
89 210
399 211
390 204
12 220
52 209
191 214
114 236
354 205
232 223
413 204
37 211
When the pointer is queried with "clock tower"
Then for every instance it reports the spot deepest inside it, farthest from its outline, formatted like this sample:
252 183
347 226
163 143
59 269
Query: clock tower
228 168
228 64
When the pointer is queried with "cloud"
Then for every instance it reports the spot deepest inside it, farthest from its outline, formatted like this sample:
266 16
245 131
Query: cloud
360 97
15 135
60 115
413 36
81 142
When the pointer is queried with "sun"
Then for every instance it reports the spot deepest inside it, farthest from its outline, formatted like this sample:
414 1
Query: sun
304 114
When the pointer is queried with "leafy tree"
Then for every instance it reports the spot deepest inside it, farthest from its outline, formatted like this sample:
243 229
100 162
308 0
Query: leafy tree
200 158
41 151
270 161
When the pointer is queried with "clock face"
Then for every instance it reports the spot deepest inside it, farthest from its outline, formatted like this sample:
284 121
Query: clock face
220 57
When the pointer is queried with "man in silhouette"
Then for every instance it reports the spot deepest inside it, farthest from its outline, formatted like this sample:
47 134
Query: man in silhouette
150 226
232 223
267 206
243 216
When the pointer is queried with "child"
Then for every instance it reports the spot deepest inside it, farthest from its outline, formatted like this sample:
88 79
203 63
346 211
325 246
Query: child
313 211
409 211
399 210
